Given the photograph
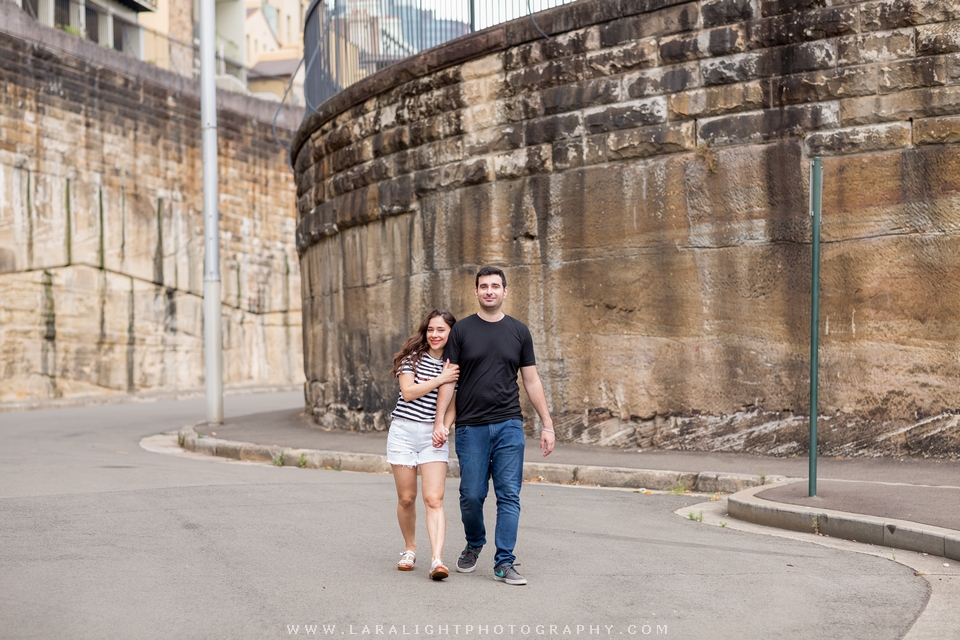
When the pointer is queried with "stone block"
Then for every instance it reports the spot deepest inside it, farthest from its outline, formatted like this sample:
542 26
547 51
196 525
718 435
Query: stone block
482 67
567 44
713 482
650 141
499 138
552 128
768 124
730 69
893 14
793 28
522 56
637 114
945 130
259 453
853 528
553 73
520 108
903 105
568 154
557 473
913 539
635 478
951 547
228 449
935 39
581 95
396 196
663 22
863 139
678 77
720 12
819 86
618 59
778 7
322 459
911 74
523 162
292 457
694 46
364 462
712 101
205 445
797 58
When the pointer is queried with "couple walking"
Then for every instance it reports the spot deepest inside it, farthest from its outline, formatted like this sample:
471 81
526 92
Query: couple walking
465 373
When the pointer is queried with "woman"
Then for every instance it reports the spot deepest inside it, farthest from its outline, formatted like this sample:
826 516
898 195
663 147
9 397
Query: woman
410 443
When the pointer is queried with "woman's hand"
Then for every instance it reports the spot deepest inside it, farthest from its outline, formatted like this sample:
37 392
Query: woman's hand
449 373
440 436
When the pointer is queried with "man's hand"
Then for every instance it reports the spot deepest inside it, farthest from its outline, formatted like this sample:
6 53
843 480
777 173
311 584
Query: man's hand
547 440
440 436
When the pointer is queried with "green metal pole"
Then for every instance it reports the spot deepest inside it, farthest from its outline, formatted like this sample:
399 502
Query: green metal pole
816 193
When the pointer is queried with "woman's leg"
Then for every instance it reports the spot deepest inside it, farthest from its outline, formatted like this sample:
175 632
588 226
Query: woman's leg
434 475
406 480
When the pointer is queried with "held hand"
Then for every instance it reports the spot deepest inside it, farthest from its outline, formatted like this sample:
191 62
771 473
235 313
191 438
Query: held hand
449 373
439 436
547 440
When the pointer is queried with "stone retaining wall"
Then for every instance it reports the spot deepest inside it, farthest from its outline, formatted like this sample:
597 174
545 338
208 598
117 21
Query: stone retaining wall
101 225
641 175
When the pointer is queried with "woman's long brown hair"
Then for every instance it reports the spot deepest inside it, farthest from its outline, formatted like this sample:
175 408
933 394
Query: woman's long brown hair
417 345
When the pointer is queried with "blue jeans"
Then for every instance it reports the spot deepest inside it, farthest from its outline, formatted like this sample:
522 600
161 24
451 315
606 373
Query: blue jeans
493 450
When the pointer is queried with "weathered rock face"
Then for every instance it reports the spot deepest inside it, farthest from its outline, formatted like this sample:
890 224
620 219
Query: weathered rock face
642 176
101 226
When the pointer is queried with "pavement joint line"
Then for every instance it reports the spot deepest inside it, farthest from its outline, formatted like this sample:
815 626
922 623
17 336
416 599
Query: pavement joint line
888 532
130 398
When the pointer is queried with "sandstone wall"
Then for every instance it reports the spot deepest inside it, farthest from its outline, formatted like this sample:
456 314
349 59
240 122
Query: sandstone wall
642 177
101 225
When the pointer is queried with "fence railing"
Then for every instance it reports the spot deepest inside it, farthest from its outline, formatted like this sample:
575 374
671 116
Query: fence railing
347 40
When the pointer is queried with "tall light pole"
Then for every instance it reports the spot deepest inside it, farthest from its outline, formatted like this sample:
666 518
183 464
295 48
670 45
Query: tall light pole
212 333
816 203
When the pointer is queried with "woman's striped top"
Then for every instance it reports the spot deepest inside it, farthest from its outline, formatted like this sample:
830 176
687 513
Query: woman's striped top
424 408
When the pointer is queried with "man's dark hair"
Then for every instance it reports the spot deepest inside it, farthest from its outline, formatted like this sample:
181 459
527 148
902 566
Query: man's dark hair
491 271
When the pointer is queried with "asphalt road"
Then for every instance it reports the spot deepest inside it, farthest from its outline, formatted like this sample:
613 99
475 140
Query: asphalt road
103 539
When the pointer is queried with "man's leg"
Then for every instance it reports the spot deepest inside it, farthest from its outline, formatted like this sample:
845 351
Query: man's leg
507 471
472 445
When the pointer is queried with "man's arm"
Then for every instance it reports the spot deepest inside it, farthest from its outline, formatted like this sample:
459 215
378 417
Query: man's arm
534 388
444 396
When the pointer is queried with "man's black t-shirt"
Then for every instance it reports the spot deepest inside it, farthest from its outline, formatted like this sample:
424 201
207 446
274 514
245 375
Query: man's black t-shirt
489 354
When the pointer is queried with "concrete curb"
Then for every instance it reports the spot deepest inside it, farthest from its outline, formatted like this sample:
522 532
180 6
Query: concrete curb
898 534
619 477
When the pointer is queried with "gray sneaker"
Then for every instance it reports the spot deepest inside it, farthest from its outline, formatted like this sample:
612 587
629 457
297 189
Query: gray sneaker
468 559
506 573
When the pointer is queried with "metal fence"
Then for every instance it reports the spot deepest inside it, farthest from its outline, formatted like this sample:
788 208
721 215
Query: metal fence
348 40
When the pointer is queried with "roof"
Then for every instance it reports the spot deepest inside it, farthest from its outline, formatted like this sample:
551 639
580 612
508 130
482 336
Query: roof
273 68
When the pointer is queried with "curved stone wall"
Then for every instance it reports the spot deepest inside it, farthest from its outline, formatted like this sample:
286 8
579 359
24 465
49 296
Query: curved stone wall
641 175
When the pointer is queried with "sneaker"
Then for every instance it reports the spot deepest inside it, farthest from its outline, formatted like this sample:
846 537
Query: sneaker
506 573
468 559
407 559
438 571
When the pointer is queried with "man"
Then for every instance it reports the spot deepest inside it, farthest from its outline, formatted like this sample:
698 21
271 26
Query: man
491 347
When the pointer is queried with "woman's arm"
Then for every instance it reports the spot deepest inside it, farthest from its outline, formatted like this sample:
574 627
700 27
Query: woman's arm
411 390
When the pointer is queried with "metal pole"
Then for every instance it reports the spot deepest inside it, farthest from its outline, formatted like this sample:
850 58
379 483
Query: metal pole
816 194
212 338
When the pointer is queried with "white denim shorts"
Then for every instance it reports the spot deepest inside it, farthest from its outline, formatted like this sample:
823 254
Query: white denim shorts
410 444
